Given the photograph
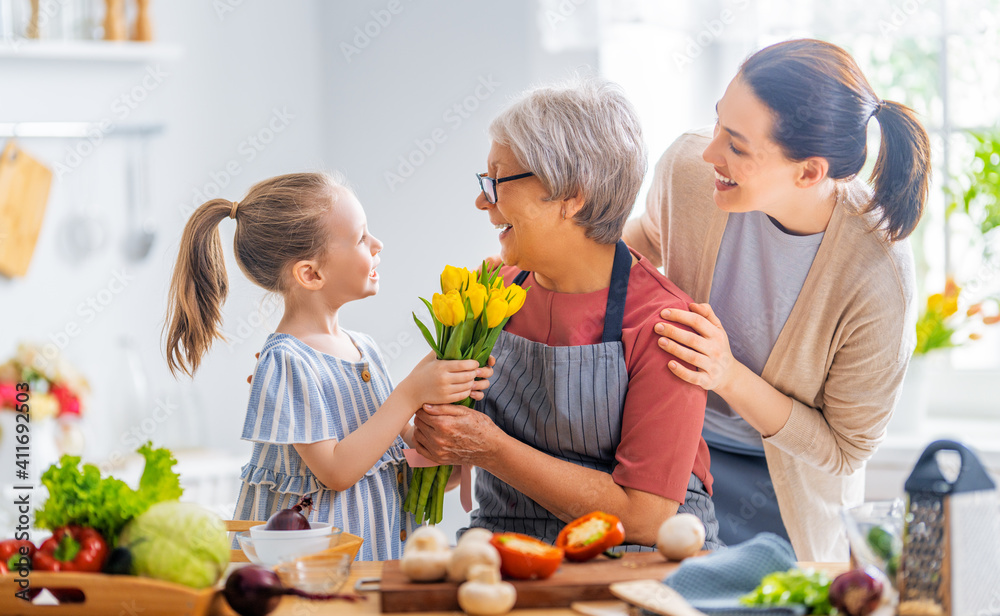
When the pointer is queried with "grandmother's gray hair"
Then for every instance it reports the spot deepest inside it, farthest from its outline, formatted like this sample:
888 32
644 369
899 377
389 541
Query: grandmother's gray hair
580 136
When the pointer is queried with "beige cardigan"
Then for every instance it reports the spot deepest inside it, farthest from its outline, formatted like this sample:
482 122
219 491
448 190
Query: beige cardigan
841 355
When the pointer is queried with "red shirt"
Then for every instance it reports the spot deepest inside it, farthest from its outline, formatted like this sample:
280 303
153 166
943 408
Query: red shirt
661 442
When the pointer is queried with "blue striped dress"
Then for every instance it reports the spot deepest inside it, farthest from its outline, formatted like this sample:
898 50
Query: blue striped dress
300 395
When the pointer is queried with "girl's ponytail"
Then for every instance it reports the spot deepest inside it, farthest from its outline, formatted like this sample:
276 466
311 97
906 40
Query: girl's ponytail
198 289
901 177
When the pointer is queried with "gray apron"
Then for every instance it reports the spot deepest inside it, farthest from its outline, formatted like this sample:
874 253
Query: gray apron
567 402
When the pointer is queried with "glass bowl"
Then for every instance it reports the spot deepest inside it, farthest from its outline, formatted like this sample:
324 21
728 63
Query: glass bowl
320 573
269 551
875 534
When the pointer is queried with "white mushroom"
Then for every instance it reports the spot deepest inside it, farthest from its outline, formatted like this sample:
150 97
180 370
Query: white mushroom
485 594
680 536
476 534
426 555
471 551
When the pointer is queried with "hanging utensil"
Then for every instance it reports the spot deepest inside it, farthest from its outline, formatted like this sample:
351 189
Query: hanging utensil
138 234
82 232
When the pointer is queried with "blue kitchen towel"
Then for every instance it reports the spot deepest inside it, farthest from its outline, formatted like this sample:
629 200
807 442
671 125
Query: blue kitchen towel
715 582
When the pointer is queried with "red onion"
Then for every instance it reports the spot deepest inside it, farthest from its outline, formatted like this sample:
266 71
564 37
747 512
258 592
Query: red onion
292 518
856 593
256 591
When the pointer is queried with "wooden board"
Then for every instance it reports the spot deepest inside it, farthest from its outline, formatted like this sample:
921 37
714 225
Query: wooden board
24 191
587 581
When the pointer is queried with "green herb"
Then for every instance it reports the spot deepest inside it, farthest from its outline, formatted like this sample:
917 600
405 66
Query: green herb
793 587
82 496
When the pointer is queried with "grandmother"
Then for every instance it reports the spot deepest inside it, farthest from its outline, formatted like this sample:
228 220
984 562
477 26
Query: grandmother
583 412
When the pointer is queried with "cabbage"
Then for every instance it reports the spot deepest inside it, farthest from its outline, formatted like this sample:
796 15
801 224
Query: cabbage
178 542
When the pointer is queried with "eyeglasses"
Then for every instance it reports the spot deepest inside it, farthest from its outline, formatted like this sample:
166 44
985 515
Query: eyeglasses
489 185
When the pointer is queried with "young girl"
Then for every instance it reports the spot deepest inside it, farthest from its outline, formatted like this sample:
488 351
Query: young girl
316 388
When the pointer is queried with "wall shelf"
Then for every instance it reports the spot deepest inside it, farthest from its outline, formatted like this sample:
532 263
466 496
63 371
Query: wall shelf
74 130
90 51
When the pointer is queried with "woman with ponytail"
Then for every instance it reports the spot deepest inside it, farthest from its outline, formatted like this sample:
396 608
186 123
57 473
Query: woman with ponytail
317 386
804 283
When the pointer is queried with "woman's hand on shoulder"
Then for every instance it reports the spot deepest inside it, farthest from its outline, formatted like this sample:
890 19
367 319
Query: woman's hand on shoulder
438 381
706 348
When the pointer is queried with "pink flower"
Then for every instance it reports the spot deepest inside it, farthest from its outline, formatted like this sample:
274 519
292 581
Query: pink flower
69 404
8 395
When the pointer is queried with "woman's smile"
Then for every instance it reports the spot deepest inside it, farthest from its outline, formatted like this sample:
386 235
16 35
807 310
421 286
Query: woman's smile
504 228
723 182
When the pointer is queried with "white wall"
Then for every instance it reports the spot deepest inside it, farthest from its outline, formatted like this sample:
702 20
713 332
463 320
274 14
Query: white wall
401 88
233 73
356 114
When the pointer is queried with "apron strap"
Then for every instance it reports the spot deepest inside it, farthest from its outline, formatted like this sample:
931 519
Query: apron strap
614 312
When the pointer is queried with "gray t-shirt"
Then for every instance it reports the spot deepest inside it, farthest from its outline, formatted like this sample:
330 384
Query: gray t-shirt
758 275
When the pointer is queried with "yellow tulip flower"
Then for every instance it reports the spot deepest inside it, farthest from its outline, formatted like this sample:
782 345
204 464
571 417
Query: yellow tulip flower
455 279
496 310
476 295
515 298
449 308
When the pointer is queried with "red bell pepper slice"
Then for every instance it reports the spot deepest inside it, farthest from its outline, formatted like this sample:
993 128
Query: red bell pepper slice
586 537
72 548
526 558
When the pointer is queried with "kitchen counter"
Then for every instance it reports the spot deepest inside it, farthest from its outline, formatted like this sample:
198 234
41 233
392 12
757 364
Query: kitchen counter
291 606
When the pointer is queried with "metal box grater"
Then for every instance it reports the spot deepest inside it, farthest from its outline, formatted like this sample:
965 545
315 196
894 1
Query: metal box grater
951 539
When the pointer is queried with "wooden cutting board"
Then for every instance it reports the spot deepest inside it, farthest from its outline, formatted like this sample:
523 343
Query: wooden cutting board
587 581
24 191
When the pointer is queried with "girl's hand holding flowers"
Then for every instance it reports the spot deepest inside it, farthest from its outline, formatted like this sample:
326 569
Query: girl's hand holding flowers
437 381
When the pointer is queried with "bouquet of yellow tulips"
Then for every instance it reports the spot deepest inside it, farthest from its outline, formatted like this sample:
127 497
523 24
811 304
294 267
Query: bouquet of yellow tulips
469 313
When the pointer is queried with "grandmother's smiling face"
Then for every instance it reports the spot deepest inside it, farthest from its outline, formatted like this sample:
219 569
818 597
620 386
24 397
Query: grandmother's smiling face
527 223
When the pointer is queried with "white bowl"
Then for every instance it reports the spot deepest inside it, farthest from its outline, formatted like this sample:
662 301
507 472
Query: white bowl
270 551
317 529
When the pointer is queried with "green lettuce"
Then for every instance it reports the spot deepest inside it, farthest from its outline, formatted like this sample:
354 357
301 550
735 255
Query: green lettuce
82 496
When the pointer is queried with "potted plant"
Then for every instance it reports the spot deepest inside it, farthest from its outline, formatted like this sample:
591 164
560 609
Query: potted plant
947 321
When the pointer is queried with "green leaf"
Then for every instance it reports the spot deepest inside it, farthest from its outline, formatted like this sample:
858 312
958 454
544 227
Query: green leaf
426 334
453 350
438 327
81 496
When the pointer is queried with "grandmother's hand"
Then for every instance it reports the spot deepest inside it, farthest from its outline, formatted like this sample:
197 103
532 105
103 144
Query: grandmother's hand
706 348
452 434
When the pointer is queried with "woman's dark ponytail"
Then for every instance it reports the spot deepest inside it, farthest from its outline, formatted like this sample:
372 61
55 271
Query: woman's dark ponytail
901 177
822 105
